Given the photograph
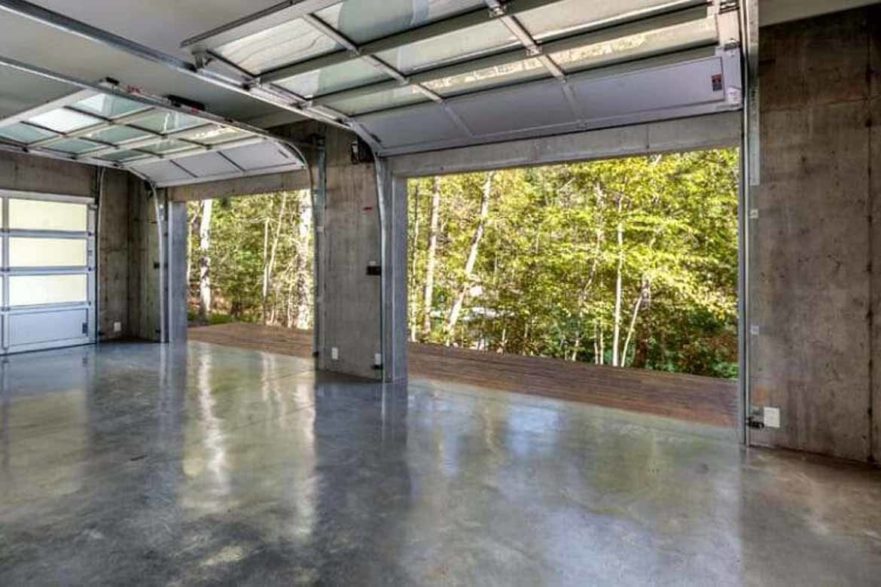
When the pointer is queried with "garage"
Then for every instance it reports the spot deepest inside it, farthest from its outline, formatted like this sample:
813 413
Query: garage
136 450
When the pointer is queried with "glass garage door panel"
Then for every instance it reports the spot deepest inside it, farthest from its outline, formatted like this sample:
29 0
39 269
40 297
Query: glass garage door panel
43 215
51 328
47 284
47 252
37 290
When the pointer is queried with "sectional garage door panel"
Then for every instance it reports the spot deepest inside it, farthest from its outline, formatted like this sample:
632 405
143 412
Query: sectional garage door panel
48 271
48 328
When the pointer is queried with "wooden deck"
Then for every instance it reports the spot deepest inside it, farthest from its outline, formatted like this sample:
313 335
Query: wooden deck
686 397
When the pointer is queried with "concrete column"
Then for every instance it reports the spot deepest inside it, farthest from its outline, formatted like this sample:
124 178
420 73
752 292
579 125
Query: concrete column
177 272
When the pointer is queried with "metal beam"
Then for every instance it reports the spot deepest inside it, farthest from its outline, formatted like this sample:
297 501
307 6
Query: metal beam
102 37
514 55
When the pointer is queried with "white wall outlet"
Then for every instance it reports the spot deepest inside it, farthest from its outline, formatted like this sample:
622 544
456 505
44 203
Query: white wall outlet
117 327
771 417
334 353
377 359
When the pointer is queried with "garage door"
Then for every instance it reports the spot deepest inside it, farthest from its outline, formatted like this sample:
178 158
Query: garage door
48 249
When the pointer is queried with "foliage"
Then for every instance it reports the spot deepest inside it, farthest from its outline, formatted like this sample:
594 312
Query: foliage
248 282
549 262
628 262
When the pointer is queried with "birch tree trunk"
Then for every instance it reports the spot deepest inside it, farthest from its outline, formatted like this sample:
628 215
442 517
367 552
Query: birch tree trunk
412 294
269 266
428 295
472 256
303 267
616 332
632 327
205 259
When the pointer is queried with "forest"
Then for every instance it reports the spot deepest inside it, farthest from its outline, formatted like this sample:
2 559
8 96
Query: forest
627 262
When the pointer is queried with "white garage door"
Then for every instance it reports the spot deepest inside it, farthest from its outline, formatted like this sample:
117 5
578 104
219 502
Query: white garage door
48 250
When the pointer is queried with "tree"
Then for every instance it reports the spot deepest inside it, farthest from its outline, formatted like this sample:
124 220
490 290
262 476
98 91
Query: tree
630 262
472 256
205 259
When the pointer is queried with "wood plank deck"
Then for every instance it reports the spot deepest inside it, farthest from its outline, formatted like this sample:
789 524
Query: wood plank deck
686 397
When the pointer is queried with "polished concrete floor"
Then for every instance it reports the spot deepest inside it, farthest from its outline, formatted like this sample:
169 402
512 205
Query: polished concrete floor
141 464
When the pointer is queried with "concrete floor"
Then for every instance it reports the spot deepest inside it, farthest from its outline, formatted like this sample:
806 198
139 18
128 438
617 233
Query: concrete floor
205 464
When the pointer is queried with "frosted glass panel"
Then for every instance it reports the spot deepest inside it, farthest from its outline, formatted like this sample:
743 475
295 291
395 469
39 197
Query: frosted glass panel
164 122
654 42
64 120
213 135
286 43
454 46
40 215
109 106
570 16
334 78
75 146
117 134
24 133
379 100
33 290
367 20
47 252
508 73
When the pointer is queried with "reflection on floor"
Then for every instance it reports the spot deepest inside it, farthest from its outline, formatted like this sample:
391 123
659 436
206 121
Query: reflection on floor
686 397
137 463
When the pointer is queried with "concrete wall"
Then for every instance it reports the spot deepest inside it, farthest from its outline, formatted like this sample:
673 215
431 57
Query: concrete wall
347 314
816 246
34 174
114 257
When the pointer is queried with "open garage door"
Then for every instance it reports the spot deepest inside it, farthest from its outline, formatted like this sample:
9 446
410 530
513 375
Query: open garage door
438 74
48 272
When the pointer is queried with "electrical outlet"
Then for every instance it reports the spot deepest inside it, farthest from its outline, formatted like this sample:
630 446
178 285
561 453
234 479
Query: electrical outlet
117 327
377 359
334 353
771 417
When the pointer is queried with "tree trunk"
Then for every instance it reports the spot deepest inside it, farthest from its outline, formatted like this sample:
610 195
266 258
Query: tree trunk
264 292
472 256
304 269
412 294
270 266
632 327
428 296
616 332
205 260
